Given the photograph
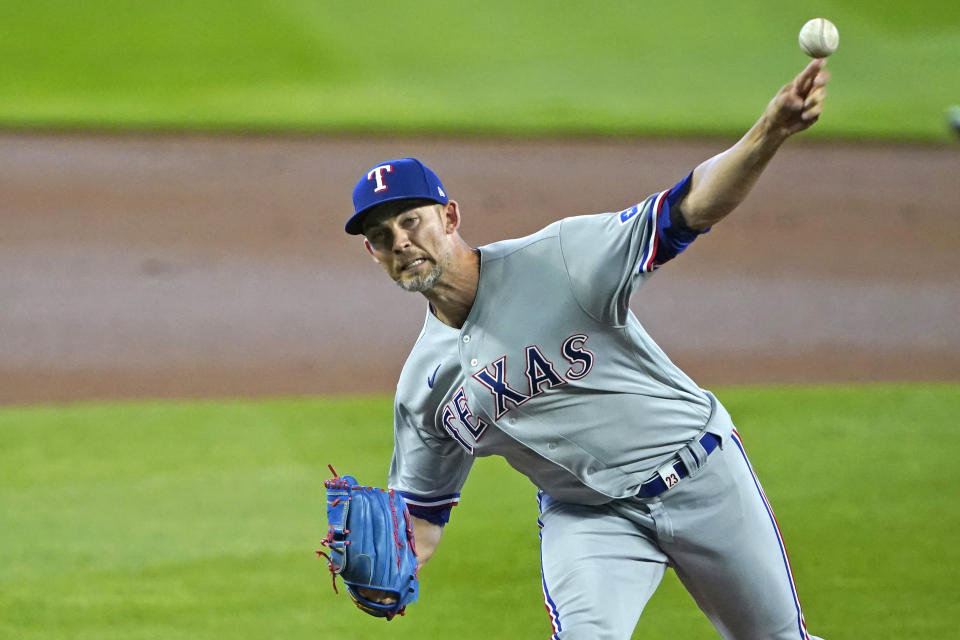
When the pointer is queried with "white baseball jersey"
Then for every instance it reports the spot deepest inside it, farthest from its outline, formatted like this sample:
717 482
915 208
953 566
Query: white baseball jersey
551 370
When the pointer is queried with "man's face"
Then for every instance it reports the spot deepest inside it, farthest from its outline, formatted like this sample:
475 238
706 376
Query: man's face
410 243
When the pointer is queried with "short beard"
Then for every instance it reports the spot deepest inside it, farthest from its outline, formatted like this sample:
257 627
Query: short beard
423 282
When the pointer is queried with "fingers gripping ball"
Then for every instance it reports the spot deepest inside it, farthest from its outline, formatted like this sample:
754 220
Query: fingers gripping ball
370 538
819 38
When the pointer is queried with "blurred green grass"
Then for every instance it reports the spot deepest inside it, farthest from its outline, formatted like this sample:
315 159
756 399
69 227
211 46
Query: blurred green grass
425 66
199 520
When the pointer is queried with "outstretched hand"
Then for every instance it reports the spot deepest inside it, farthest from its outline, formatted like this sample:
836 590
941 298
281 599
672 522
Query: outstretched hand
799 103
722 182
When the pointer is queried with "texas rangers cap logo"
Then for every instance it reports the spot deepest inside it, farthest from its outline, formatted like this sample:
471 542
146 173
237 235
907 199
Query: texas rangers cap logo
404 178
377 173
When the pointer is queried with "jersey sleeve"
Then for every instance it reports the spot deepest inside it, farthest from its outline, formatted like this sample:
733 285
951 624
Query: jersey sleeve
609 255
428 469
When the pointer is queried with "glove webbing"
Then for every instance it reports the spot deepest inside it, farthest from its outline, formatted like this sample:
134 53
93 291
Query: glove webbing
331 540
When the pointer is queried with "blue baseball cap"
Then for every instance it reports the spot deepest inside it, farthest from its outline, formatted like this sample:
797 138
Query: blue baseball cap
400 179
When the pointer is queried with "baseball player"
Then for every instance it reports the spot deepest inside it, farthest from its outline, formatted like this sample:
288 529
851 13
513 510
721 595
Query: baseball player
530 351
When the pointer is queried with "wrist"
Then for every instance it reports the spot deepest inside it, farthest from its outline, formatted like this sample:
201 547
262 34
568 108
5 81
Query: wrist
767 135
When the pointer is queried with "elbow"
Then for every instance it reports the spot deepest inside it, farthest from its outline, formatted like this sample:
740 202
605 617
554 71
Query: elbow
423 556
700 217
426 547
426 537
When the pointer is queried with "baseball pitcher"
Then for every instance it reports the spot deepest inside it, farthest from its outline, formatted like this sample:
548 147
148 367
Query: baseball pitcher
529 350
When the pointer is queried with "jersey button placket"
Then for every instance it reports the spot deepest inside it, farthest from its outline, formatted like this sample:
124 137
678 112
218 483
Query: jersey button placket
465 339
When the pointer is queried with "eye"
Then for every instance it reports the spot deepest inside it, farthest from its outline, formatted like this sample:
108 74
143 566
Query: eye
409 221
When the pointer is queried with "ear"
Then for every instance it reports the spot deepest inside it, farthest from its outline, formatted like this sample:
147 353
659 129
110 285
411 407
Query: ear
369 248
451 216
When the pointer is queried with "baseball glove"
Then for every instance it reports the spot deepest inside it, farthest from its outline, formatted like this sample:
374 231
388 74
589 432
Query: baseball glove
370 538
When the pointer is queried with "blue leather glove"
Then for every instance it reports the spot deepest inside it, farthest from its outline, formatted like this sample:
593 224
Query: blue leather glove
370 538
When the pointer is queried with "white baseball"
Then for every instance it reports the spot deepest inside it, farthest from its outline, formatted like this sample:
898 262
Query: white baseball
819 38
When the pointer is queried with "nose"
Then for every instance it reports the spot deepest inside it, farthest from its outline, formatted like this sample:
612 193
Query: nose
400 240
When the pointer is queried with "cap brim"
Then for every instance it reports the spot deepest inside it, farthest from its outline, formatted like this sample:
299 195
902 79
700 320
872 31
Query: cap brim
354 225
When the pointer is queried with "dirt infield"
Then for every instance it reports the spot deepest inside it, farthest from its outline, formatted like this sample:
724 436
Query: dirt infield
158 266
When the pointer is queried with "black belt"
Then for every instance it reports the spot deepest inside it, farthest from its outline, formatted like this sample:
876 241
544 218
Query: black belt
666 480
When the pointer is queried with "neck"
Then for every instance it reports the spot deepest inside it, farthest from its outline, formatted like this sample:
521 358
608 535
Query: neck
453 295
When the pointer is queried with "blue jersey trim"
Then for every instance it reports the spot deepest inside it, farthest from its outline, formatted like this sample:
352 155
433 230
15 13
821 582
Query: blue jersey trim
551 606
673 235
435 509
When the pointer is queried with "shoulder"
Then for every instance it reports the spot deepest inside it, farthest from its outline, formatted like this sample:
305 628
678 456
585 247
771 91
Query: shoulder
571 234
607 222
504 248
565 227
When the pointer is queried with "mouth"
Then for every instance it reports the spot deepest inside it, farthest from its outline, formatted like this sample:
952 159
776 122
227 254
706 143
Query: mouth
413 264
